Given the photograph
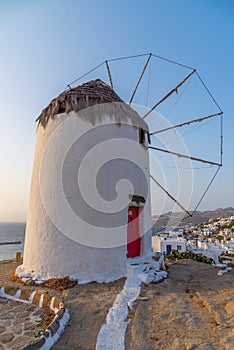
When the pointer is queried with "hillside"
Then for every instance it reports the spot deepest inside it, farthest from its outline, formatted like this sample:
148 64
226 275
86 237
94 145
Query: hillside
197 218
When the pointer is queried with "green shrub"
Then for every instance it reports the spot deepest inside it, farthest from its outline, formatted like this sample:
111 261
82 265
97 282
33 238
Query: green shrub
175 255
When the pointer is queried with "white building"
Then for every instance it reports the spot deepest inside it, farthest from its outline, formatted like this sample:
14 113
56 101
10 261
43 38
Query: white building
164 245
89 207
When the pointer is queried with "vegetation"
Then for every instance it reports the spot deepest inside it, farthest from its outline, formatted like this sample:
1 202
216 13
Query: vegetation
224 256
175 255
220 237
228 225
60 283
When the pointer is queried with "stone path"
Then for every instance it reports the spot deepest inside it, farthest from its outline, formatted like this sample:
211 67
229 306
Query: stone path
19 324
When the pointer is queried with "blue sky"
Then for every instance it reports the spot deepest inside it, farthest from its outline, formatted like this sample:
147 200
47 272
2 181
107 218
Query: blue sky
47 44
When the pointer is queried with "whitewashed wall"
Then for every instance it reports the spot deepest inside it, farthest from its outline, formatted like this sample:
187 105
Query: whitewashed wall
159 244
58 242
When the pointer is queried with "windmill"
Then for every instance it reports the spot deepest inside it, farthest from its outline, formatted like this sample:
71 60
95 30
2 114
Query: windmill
89 208
172 96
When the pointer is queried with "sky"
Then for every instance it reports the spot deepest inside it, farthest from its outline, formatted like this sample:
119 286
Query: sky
47 44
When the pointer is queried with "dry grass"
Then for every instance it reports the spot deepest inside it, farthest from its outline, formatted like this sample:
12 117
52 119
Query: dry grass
60 283
47 318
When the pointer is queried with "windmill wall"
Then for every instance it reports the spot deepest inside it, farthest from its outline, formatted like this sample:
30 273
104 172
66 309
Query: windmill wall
77 224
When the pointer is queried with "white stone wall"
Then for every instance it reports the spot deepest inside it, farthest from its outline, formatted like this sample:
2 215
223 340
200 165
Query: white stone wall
59 240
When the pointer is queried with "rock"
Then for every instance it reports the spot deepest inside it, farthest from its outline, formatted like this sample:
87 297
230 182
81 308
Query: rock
29 282
30 333
60 313
46 334
37 313
35 345
37 297
5 316
6 323
18 321
22 314
25 293
6 337
53 328
20 342
31 308
18 329
2 329
229 307
10 290
29 326
46 300
56 303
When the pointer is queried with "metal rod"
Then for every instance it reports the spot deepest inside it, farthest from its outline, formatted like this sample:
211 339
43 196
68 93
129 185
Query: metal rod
170 93
109 74
206 189
187 123
208 91
141 76
171 61
127 57
170 196
84 75
221 140
185 156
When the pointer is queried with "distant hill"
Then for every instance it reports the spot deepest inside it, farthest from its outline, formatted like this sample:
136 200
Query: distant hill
170 219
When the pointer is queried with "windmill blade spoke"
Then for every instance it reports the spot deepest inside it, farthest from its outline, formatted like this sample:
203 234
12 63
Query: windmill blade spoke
109 74
187 123
170 196
141 76
185 156
206 190
175 89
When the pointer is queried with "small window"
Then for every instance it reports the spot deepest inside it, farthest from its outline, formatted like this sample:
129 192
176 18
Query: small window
143 137
179 247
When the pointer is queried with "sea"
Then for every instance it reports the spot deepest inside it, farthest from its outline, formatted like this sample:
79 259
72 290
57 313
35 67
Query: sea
11 239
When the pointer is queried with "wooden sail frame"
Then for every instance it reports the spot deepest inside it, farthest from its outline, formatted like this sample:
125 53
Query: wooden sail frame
171 92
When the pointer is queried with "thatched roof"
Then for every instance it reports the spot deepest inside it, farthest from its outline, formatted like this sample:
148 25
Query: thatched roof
76 99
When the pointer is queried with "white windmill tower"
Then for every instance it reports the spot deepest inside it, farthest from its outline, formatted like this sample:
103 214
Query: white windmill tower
89 208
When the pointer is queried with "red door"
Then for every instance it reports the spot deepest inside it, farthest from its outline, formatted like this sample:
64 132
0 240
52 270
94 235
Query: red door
134 241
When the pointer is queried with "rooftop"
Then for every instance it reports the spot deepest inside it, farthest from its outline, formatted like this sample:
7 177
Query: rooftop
75 99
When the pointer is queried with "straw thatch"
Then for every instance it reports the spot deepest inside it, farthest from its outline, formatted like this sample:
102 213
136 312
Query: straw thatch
76 99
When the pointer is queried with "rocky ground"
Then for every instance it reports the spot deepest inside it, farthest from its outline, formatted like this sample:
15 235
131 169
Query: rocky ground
192 309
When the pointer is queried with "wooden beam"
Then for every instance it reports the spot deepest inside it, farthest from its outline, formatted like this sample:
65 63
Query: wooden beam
141 76
187 123
185 156
175 89
109 74
170 196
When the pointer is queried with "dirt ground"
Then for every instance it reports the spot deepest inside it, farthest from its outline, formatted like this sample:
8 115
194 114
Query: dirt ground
89 305
7 269
191 310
